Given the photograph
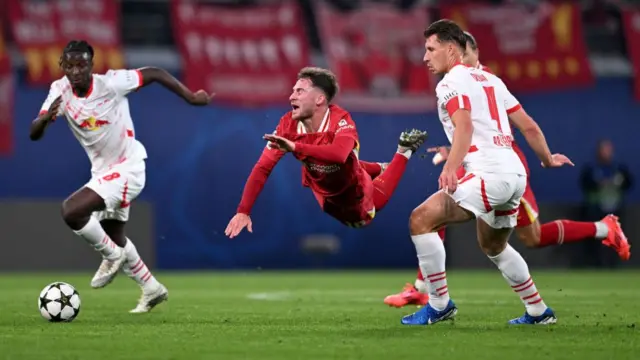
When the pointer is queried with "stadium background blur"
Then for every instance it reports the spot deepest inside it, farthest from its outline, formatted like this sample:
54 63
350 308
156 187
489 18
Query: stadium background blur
571 65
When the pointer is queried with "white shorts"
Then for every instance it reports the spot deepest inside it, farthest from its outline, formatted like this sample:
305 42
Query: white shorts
494 198
118 186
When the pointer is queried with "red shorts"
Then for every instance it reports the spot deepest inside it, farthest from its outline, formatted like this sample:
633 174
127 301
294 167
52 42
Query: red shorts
355 208
528 210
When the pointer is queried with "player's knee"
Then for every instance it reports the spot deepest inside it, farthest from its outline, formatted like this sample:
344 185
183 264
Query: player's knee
529 241
530 238
420 222
493 248
72 216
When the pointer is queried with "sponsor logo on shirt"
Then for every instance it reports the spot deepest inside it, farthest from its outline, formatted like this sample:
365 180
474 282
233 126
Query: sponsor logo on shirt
93 124
323 169
450 96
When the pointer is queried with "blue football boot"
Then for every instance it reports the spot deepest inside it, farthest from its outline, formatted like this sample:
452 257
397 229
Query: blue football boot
547 317
428 315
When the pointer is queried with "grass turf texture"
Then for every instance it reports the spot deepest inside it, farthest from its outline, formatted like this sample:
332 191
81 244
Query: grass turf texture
322 315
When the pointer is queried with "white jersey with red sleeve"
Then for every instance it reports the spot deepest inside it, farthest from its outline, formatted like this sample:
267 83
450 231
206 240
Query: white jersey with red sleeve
101 120
489 102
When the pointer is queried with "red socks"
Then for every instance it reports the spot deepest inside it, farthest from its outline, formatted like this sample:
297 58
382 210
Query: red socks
566 231
385 184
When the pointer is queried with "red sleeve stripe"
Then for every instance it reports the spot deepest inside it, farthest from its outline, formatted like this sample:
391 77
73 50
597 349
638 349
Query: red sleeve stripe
514 109
457 103
42 112
140 78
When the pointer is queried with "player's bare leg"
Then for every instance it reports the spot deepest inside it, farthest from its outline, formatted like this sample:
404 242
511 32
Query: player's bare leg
153 292
515 270
560 232
77 212
385 184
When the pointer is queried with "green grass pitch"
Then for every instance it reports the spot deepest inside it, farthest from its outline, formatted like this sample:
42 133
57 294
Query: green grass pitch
322 315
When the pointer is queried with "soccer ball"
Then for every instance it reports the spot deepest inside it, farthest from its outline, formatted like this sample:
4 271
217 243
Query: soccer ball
59 302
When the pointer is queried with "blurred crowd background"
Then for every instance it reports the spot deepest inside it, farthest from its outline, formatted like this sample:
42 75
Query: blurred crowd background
574 65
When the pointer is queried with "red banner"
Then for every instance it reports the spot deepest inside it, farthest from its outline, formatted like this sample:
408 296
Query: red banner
246 55
376 53
6 100
41 29
631 22
530 49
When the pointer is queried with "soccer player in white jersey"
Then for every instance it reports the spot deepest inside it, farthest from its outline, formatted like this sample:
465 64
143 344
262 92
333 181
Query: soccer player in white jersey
97 111
472 106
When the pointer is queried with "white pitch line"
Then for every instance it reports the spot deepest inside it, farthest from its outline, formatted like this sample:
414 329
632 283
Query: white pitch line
270 296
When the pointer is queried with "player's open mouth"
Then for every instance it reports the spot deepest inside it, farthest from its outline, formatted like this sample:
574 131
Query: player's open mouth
295 107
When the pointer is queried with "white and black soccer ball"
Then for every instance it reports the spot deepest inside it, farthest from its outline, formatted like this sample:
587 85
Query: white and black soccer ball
59 302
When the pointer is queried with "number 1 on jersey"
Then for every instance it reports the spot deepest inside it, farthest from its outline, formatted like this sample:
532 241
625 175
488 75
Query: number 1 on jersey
493 105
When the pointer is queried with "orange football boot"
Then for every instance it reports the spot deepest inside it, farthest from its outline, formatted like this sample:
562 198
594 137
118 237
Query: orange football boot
409 296
616 239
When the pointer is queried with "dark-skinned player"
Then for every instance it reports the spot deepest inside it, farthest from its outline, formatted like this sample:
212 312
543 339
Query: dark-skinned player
97 111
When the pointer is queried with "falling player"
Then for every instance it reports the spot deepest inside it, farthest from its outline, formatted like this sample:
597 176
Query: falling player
97 111
528 228
324 138
473 107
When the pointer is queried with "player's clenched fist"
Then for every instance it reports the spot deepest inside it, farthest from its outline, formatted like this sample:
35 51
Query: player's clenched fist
441 153
200 98
237 223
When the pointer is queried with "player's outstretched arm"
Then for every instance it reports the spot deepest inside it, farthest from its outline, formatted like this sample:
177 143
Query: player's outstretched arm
252 189
38 126
532 133
535 138
337 152
153 74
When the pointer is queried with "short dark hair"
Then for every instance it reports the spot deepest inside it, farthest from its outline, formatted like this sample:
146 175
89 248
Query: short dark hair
471 41
447 31
321 78
77 46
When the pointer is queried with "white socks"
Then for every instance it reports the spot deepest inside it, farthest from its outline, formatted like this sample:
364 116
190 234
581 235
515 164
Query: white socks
431 258
96 237
406 154
602 230
516 272
136 269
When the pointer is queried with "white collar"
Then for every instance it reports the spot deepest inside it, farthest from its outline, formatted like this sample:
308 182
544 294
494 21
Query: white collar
324 125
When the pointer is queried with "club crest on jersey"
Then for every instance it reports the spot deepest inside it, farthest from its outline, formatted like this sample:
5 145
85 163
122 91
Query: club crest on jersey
342 123
93 124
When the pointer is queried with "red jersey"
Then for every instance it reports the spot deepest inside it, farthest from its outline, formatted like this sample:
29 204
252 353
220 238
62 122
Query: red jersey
329 159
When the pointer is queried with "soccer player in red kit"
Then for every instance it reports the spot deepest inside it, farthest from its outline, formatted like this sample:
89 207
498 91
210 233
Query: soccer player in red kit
324 138
528 228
